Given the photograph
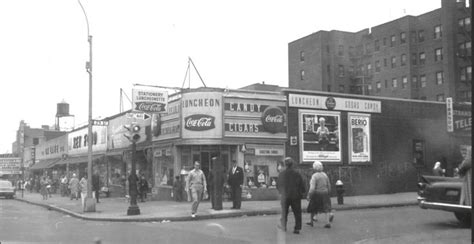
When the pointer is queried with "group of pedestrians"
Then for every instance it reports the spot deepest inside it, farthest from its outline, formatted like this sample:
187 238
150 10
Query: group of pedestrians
292 189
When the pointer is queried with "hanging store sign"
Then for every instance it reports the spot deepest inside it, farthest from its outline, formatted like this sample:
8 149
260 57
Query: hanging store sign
149 100
334 103
458 117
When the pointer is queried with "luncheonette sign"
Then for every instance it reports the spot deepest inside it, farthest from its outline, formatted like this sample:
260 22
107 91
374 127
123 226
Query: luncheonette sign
334 103
201 115
149 100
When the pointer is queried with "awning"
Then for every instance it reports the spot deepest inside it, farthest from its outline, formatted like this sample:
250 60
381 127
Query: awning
44 164
80 159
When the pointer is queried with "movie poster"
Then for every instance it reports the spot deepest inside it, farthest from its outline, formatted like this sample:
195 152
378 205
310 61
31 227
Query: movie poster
320 135
359 138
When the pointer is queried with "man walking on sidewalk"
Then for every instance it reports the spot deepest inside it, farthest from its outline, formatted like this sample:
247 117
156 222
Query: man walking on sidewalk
235 181
196 183
291 188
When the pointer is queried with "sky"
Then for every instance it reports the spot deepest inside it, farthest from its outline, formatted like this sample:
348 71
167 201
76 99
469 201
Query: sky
44 48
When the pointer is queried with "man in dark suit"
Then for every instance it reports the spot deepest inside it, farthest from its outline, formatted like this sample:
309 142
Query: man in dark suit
235 181
291 188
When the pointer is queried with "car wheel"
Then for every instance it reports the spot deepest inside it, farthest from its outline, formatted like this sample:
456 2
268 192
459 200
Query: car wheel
464 218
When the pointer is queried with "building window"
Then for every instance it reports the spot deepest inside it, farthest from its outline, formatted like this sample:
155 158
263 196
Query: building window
403 60
439 78
465 95
423 81
403 37
386 84
369 69
341 70
414 82
327 48
376 45
413 36
438 54
464 49
385 62
384 41
377 66
301 56
422 58
378 86
351 70
414 57
465 24
341 88
351 51
302 74
393 39
394 62
421 35
438 32
394 82
329 88
367 48
404 82
466 74
340 50
440 97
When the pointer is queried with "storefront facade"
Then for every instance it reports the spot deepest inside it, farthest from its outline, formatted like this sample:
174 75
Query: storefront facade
206 123
373 145
47 154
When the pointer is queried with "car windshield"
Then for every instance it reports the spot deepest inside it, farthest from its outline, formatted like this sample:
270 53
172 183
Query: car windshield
5 184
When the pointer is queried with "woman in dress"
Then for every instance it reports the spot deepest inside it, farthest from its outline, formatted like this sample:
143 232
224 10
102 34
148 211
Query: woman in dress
465 173
318 195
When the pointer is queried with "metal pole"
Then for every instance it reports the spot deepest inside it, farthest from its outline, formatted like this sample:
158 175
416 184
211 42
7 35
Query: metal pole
90 203
133 209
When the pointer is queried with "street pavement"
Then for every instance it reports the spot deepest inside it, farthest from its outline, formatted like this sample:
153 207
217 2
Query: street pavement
115 209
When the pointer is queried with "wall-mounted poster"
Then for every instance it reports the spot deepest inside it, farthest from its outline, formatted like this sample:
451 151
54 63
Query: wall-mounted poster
320 135
359 137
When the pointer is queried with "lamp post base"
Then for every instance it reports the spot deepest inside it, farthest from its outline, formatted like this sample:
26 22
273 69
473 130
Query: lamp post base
133 210
89 205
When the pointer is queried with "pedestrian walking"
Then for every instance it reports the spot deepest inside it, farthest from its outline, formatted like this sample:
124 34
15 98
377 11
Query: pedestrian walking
291 188
74 187
142 188
63 186
83 189
318 195
196 184
43 190
465 172
437 170
96 186
235 180
177 189
49 185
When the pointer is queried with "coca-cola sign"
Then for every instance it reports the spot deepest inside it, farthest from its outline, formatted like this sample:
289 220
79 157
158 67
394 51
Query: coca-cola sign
199 122
150 107
273 120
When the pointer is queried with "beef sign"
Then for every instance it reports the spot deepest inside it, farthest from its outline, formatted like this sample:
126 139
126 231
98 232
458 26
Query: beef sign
273 120
199 122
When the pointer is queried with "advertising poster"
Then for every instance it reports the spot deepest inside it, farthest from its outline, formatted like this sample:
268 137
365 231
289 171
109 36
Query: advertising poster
149 100
320 135
201 115
359 137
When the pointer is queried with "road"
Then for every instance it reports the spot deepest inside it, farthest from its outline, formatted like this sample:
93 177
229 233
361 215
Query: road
25 223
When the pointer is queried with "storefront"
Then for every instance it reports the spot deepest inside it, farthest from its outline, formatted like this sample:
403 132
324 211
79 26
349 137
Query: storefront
206 123
47 155
373 145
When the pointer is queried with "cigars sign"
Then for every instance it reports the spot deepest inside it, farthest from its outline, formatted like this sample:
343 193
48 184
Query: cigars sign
202 115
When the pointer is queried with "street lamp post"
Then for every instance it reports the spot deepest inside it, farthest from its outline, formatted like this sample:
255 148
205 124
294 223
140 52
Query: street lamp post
89 201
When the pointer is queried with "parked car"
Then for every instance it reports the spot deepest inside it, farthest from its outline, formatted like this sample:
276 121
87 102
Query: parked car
7 189
443 193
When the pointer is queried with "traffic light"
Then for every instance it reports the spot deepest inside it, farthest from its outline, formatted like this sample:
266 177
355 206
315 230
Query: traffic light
133 132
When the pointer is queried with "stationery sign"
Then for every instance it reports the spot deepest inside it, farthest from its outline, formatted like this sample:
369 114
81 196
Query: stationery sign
149 100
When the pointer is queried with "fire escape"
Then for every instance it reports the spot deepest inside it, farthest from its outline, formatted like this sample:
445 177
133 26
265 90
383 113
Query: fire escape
464 54
361 77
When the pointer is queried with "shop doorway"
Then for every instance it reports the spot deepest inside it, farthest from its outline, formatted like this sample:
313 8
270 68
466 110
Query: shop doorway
205 155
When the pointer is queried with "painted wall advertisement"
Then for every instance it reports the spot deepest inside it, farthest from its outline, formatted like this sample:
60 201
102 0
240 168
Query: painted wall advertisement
201 115
320 135
77 140
359 137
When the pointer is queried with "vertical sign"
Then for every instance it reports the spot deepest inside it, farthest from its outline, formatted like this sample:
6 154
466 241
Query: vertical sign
449 114
359 137
320 135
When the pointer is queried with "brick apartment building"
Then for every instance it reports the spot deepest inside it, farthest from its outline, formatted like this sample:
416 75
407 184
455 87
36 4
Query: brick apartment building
426 57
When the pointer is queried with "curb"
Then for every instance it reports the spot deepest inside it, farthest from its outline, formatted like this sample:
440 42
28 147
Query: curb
204 217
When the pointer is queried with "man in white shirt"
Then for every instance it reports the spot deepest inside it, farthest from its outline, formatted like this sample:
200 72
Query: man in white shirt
196 183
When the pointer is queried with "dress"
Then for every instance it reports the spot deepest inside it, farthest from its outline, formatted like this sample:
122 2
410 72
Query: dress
465 172
319 202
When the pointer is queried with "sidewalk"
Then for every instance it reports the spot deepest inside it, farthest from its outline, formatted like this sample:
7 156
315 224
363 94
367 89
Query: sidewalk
115 209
